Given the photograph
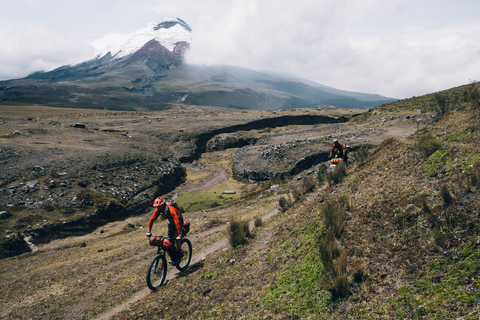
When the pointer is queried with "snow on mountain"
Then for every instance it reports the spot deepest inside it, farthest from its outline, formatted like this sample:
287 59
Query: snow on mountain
167 32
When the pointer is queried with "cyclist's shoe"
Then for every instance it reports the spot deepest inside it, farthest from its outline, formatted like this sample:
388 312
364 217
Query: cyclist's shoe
175 258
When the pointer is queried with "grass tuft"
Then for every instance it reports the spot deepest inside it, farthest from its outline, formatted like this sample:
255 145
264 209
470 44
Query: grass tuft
283 203
238 231
446 196
427 144
337 175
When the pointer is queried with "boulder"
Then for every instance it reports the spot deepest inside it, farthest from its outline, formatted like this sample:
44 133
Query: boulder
5 215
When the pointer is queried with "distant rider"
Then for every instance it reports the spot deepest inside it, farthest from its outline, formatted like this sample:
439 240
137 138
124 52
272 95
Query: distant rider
339 148
175 221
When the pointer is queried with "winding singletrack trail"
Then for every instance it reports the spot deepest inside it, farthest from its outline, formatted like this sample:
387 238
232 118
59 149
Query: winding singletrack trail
197 257
218 176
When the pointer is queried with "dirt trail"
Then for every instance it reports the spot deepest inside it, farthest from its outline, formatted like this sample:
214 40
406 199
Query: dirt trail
219 175
172 272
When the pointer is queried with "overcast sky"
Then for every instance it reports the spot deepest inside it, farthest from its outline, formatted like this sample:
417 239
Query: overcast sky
396 48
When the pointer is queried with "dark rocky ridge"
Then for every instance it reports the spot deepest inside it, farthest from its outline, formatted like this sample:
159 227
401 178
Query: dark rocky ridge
84 193
202 140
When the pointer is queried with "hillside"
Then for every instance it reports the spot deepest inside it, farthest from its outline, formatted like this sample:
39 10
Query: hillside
409 239
137 85
396 237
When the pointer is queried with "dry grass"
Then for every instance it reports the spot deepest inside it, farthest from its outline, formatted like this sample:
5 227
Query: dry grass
397 252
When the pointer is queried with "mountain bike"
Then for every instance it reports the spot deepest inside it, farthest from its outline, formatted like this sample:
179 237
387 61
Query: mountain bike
157 270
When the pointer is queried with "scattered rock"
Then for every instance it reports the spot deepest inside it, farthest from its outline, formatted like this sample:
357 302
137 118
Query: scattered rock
83 184
32 184
229 192
79 125
5 215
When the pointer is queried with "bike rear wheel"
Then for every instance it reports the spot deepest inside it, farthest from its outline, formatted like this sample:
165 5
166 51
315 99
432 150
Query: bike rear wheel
186 255
157 272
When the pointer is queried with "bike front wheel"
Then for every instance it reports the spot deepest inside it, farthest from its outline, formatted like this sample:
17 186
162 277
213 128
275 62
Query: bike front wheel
157 272
186 255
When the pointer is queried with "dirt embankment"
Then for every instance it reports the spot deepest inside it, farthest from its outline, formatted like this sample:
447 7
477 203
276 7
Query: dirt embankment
203 139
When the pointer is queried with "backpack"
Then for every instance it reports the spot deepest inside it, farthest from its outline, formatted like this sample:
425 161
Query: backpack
172 203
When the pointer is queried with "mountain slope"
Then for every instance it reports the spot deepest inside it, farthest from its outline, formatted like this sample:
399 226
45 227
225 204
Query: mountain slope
154 84
408 238
146 71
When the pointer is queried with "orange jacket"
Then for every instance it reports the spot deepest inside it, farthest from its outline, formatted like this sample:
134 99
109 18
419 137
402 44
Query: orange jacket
340 147
172 215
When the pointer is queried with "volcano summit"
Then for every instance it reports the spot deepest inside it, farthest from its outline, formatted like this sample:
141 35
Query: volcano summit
145 70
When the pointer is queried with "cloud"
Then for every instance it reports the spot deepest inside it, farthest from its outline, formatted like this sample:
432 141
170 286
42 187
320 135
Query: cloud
31 47
396 48
368 46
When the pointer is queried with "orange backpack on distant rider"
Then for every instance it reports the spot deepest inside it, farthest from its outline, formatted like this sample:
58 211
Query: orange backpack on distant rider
336 161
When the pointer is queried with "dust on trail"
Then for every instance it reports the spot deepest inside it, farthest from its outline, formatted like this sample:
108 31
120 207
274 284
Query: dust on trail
196 257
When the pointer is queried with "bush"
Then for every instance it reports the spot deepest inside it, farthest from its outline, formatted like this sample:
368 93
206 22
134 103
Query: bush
238 231
284 204
474 176
308 183
337 282
441 104
427 144
438 238
322 173
446 196
297 192
332 214
333 258
344 201
337 175
257 222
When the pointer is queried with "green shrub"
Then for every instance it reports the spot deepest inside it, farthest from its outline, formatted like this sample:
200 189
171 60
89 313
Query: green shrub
322 173
441 104
297 192
332 215
238 231
337 282
283 203
344 201
438 238
474 176
446 196
308 183
427 144
257 222
337 175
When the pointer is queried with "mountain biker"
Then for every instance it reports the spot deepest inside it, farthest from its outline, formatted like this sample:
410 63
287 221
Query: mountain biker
175 222
340 148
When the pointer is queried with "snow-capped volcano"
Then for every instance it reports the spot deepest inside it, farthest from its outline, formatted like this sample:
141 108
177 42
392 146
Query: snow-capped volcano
169 33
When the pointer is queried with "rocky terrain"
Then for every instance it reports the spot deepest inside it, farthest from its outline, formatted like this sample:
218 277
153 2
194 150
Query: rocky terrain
407 244
68 172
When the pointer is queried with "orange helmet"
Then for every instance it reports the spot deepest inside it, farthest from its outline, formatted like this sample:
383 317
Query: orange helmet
158 202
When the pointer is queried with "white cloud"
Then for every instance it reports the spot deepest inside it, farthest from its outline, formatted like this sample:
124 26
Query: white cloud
396 48
27 48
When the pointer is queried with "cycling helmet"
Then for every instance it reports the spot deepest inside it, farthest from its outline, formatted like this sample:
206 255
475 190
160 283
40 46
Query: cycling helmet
335 141
158 202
